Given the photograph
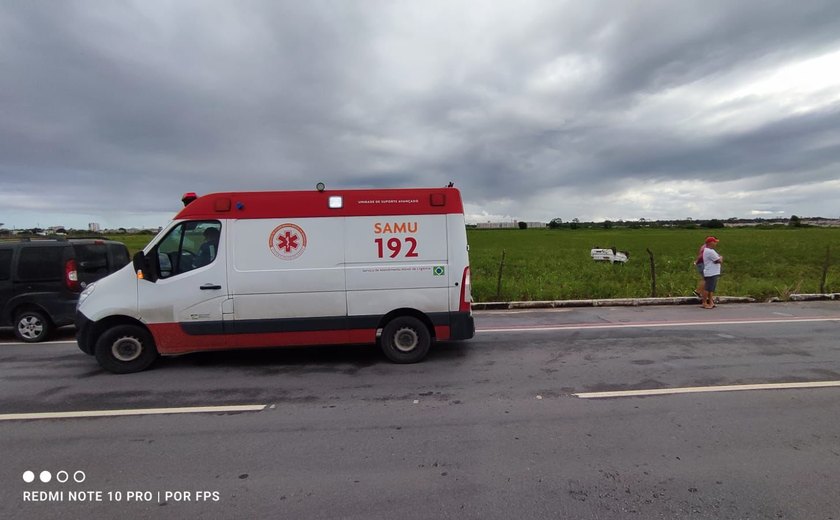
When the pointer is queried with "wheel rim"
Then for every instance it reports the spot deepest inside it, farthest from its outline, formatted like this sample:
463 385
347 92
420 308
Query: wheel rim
406 339
30 327
127 349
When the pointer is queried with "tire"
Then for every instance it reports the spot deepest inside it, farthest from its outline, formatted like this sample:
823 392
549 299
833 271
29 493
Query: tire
32 326
125 349
405 340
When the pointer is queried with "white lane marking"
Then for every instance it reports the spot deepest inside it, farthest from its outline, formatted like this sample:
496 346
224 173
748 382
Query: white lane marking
138 411
642 325
706 389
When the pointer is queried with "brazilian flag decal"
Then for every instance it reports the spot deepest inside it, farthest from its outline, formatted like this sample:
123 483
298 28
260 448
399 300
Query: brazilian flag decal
438 270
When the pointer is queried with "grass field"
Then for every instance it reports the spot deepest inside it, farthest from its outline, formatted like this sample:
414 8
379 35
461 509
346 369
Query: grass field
134 243
555 264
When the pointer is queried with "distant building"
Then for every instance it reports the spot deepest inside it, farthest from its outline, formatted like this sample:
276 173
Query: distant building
821 222
497 225
511 224
94 226
805 221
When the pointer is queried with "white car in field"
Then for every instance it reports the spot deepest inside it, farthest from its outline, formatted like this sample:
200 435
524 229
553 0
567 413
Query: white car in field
609 255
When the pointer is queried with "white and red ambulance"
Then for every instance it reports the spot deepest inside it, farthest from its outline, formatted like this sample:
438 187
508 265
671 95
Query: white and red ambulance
289 268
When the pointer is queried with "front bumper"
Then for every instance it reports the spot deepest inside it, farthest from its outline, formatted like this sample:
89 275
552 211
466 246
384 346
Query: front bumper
84 333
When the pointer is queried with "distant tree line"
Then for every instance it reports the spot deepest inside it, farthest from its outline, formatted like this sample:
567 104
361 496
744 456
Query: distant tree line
686 223
61 232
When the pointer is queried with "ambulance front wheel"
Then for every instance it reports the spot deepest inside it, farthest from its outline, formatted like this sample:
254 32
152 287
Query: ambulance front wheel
405 340
125 349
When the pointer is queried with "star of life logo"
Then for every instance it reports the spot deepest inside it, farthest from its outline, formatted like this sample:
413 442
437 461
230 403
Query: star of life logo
287 241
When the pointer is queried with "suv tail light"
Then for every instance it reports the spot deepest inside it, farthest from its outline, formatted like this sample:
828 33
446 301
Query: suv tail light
71 276
466 292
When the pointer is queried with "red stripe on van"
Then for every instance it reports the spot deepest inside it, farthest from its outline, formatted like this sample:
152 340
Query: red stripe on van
171 339
442 332
303 204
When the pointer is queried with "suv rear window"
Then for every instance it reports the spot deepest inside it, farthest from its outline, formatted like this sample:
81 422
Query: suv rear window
120 254
40 264
93 263
91 260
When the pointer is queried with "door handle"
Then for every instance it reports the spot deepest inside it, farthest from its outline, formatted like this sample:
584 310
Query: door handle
210 287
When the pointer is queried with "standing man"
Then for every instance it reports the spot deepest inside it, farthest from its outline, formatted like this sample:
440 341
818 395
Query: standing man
711 271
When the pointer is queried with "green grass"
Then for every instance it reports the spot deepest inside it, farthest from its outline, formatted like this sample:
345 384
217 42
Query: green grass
134 243
555 264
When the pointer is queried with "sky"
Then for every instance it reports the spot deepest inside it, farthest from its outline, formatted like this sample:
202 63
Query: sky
110 110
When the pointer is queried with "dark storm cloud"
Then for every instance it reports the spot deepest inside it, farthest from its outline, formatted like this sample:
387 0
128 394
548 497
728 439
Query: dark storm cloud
142 101
638 51
787 146
662 44
122 96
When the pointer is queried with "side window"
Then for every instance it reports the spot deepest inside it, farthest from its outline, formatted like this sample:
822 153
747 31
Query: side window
210 233
188 246
5 264
40 264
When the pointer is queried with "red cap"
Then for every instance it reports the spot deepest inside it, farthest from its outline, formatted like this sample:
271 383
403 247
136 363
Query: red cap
711 239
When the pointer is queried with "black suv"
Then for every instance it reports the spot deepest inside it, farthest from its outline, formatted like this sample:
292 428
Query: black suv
40 280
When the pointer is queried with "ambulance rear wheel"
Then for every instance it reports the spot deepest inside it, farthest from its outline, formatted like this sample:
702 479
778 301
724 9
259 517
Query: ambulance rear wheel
405 340
125 349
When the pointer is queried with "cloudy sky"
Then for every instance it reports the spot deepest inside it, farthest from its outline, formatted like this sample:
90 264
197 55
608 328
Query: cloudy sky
110 110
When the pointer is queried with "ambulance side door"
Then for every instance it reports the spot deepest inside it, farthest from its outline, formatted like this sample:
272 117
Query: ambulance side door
185 306
288 281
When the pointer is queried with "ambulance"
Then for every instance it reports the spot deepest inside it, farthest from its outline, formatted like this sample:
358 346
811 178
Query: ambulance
288 268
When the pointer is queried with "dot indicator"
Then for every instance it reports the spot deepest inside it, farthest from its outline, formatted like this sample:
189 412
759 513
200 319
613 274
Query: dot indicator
28 477
46 476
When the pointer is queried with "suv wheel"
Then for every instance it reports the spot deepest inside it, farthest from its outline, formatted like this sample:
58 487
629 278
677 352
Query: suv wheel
125 349
32 326
405 340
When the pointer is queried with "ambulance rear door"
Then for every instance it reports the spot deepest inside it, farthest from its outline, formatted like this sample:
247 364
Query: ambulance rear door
398 262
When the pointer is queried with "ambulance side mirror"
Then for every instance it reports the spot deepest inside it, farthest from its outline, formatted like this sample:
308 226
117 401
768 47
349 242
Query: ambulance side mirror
144 267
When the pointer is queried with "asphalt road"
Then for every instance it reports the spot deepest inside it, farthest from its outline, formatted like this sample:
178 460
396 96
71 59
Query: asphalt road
495 427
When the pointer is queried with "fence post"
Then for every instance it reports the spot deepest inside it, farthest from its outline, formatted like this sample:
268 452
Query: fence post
499 279
652 274
825 269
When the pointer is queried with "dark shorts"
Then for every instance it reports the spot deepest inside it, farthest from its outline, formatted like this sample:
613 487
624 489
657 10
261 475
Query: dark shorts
699 268
711 283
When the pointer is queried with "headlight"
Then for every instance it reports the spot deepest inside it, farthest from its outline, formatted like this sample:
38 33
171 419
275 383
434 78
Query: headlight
87 292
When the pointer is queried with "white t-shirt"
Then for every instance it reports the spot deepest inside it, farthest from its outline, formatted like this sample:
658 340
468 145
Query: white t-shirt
710 268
